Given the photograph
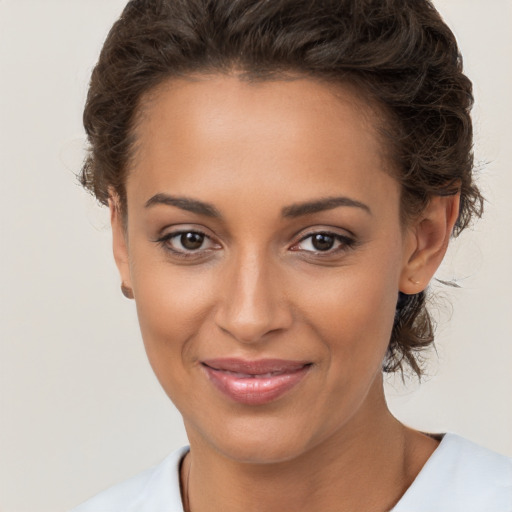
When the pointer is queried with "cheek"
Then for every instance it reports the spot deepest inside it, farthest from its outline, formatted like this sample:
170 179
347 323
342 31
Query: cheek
172 304
353 316
353 310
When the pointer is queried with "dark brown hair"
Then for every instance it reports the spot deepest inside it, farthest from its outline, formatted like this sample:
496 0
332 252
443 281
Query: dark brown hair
399 54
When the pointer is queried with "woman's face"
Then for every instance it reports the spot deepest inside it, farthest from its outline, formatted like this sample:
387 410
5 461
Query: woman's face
265 252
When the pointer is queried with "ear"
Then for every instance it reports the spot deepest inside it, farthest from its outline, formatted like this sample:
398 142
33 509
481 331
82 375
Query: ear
120 242
427 241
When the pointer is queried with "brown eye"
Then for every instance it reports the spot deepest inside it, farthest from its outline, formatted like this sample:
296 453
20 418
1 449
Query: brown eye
192 241
187 243
322 242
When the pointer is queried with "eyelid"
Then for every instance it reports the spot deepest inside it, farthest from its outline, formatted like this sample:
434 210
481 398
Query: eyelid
343 242
181 228
346 242
165 237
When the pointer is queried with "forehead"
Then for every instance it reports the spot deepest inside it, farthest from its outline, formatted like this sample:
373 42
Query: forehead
299 136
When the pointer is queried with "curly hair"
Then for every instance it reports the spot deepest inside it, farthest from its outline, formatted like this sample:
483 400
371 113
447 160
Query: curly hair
399 54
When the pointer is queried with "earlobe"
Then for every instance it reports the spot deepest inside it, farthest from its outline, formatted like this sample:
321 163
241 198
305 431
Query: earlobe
428 238
119 241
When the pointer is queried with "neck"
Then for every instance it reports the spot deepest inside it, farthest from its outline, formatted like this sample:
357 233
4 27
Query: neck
367 466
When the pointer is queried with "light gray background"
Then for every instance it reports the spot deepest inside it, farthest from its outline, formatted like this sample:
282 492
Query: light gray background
79 406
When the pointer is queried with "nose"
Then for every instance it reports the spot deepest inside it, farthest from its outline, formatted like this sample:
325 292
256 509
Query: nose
253 301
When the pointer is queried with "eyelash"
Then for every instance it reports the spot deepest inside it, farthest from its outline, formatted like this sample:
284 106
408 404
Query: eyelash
164 241
345 243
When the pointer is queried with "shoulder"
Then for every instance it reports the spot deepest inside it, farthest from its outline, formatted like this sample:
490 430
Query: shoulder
461 476
154 490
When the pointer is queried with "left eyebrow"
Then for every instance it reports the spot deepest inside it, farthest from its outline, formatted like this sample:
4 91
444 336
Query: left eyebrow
319 205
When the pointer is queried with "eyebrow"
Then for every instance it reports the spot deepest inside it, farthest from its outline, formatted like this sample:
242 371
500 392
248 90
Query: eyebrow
320 205
292 211
184 203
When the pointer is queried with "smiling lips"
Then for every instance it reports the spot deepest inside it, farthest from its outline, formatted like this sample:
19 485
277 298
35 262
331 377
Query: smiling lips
255 382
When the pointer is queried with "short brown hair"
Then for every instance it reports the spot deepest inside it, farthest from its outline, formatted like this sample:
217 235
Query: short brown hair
398 53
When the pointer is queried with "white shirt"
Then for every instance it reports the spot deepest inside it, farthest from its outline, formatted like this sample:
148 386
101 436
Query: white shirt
460 476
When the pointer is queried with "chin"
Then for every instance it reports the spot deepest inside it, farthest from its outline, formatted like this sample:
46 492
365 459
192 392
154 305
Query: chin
257 440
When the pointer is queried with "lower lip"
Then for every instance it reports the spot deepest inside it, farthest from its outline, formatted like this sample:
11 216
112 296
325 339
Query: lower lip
255 390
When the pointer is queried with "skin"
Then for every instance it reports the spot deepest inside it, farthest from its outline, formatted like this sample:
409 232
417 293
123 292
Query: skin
258 288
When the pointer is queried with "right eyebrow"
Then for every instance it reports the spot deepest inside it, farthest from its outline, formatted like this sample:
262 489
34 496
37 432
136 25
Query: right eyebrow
184 203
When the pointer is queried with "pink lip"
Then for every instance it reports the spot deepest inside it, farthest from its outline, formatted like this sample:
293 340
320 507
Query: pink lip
255 382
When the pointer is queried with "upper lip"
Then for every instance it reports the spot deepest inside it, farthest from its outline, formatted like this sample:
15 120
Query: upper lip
256 367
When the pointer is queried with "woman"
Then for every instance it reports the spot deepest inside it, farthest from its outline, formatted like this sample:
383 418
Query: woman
283 180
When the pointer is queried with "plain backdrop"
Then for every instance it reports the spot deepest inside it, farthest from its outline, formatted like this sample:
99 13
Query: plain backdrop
79 406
